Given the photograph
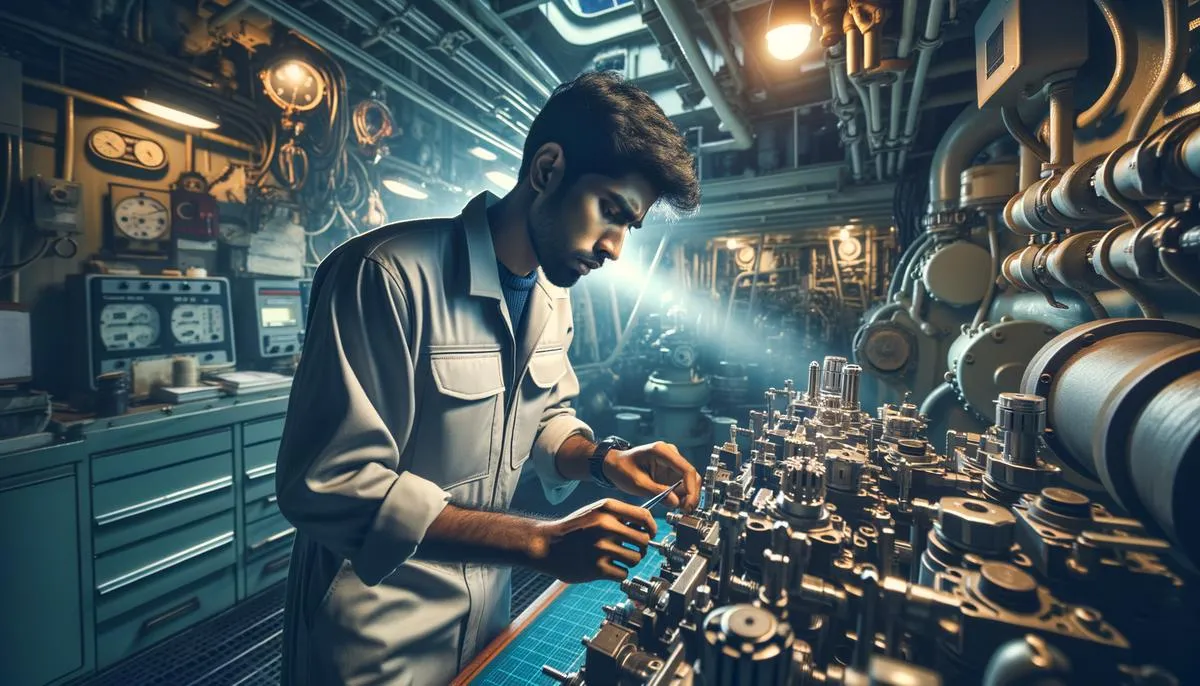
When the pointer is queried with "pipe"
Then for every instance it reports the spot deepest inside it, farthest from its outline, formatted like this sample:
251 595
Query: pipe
69 139
232 11
965 137
994 248
129 111
718 36
285 13
1062 124
908 28
677 23
1168 73
1108 98
1021 133
762 246
431 32
929 42
420 58
484 9
504 54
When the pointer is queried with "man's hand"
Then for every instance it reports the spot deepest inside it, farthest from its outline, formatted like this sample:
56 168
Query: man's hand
584 545
650 469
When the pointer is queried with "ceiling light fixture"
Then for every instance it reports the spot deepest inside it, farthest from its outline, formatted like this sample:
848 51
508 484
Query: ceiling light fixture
505 181
404 190
789 29
483 153
172 108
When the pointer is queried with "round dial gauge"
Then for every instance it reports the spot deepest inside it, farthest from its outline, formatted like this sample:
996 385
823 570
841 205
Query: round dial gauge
191 181
128 326
108 144
294 85
196 324
141 218
149 153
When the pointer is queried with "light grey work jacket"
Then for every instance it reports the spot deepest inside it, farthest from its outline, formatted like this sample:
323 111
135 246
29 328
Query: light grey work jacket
412 393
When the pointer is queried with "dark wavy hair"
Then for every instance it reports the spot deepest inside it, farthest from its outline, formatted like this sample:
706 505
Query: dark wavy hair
609 126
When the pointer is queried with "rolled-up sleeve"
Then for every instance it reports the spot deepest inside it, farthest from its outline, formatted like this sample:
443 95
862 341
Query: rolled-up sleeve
558 423
350 416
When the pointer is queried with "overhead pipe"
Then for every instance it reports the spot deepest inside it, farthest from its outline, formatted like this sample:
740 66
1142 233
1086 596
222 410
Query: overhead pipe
724 46
908 24
285 13
366 20
484 10
845 110
929 42
504 54
431 32
738 126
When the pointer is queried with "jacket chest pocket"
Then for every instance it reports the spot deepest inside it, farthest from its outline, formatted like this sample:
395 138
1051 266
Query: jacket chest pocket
460 423
546 368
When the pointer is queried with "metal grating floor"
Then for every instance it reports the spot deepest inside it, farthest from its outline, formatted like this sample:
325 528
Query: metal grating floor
242 646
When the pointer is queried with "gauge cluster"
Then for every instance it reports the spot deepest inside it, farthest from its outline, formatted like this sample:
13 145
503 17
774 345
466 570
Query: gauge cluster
133 318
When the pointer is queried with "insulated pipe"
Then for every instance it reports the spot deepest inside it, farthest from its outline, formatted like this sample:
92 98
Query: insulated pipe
484 10
930 40
845 111
285 13
366 20
504 54
672 14
908 28
431 32
966 136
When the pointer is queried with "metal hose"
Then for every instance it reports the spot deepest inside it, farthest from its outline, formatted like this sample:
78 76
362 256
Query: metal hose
1168 73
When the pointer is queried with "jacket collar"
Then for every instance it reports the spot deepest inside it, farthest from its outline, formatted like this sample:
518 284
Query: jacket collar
483 271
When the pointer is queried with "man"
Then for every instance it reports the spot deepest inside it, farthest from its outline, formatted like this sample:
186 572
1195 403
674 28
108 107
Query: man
435 366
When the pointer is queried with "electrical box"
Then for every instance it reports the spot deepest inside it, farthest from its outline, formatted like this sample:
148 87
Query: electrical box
55 205
1018 43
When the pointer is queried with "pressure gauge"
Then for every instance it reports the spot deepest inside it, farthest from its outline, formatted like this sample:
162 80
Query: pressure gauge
294 85
193 182
107 144
141 218
149 153
195 324
128 326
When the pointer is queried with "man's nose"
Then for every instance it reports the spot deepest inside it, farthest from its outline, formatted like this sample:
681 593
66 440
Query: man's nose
610 244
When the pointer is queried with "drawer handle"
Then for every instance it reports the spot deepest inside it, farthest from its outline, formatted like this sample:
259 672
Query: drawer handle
165 563
174 613
290 531
165 500
277 564
260 471
272 499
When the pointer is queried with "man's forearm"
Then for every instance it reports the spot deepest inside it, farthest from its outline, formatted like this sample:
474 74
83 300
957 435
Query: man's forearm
462 535
571 460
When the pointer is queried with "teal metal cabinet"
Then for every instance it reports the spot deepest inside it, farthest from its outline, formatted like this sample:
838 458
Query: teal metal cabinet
45 621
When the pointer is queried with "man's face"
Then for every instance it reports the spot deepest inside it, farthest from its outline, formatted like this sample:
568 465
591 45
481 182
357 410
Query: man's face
575 228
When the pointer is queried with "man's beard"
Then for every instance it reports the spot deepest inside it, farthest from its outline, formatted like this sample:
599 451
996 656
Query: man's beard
557 262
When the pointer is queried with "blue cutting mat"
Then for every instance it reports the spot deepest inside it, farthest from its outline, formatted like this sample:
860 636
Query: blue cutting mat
553 637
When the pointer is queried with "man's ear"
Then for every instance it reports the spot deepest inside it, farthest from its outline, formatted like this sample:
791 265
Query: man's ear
547 169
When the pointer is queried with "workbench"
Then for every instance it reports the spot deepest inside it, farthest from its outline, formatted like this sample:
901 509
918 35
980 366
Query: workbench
549 631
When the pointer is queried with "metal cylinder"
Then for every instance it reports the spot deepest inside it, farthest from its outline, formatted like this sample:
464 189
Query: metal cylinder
831 375
814 380
744 644
1121 397
1022 419
850 387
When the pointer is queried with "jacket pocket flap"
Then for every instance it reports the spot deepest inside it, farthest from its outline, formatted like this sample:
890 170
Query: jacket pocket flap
468 376
546 368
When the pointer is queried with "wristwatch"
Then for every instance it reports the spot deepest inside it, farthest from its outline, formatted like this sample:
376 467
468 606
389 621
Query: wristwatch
596 461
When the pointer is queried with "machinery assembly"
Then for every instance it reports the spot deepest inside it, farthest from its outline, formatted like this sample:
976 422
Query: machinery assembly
834 546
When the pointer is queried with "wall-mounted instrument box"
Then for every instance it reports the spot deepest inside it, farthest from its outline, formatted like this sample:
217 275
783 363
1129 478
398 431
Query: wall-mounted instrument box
1018 43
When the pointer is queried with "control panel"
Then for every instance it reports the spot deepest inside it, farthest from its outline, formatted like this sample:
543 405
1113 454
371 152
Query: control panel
270 318
132 318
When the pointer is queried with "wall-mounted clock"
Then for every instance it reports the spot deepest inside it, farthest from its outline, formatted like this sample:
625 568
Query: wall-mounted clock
111 145
140 220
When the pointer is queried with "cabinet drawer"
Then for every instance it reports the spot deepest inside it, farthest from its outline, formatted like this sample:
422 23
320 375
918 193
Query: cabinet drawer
269 568
267 535
261 507
150 623
114 465
157 566
262 430
146 504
